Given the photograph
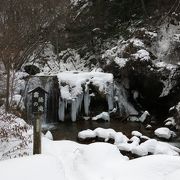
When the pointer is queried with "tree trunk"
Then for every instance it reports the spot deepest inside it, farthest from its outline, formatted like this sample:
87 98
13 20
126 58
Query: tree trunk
7 108
144 7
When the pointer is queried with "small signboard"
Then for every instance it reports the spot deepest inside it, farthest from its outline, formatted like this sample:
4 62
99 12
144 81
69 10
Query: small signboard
38 100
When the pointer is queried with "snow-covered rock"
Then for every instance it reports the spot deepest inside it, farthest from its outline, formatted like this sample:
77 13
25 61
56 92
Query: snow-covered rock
164 132
104 115
106 134
49 135
144 116
87 134
170 122
136 133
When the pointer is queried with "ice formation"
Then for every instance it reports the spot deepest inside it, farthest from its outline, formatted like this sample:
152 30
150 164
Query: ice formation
75 91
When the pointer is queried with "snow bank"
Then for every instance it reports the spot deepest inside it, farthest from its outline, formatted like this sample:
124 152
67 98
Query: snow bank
68 160
44 167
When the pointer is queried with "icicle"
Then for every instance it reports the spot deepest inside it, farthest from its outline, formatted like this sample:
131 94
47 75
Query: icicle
87 100
80 99
110 97
61 109
73 110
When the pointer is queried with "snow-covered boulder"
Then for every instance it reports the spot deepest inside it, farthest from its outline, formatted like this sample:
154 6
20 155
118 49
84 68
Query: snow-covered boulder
144 116
85 134
164 132
104 115
136 133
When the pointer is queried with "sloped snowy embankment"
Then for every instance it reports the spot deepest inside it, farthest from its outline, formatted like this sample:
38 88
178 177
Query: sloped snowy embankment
68 160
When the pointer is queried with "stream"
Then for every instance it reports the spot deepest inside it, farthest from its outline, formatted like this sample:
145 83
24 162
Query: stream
69 130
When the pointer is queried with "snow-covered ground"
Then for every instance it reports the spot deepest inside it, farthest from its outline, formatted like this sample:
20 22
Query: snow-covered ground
67 160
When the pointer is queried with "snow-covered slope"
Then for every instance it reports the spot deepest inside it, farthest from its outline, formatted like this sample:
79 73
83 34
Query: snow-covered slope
67 160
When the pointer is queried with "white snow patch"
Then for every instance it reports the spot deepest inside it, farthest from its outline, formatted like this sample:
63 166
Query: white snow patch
151 34
121 61
137 42
142 54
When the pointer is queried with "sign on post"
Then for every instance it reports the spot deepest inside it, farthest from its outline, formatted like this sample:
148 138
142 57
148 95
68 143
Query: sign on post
38 106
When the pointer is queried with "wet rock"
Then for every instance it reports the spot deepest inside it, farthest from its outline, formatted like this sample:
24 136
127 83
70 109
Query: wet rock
174 119
148 127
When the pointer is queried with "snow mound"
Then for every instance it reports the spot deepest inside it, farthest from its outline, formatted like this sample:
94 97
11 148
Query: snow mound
164 132
68 160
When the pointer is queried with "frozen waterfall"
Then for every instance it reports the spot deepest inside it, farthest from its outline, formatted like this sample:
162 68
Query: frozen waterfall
75 91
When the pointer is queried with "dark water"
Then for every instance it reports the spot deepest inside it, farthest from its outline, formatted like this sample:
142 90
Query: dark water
69 130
